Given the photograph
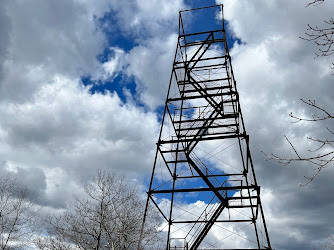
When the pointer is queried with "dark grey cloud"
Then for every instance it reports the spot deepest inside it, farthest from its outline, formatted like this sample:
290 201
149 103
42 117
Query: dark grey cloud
5 27
33 179
46 38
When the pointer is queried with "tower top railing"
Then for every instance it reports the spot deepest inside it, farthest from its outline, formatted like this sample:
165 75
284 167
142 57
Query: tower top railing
200 20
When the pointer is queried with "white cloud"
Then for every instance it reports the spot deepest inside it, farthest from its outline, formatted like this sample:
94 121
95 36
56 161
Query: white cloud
151 18
113 66
46 39
151 64
66 127
153 25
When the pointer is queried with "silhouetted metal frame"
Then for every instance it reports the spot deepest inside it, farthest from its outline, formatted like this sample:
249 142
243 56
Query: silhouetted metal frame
189 142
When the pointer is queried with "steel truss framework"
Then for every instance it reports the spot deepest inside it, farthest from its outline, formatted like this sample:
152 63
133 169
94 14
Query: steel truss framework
203 153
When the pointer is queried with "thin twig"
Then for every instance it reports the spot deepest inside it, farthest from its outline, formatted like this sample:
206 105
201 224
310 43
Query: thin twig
324 150
315 2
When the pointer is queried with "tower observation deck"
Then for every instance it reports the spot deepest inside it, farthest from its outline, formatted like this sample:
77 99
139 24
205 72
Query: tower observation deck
203 182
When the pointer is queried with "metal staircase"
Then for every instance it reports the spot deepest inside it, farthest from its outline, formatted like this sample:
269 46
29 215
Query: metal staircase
203 155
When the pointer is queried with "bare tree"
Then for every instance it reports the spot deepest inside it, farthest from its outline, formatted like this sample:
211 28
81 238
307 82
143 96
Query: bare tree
49 242
323 37
322 155
109 217
329 244
18 218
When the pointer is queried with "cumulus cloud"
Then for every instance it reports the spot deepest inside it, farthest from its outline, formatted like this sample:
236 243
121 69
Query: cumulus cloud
46 38
66 127
151 18
111 68
151 65
53 128
153 25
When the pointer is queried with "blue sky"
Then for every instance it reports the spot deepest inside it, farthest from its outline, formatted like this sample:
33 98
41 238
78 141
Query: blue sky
114 36
59 124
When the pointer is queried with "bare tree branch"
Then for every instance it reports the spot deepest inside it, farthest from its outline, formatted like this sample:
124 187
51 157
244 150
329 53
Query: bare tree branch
323 153
315 2
326 114
323 37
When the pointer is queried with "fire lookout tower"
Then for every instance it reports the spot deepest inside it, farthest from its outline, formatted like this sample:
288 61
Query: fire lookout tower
203 181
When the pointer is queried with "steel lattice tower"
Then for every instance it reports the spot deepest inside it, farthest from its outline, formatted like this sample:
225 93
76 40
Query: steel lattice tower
203 155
